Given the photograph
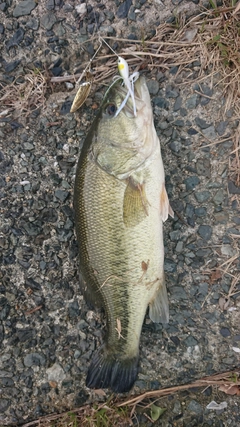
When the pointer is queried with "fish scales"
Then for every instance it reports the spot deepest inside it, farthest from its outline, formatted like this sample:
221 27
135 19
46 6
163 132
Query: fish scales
119 229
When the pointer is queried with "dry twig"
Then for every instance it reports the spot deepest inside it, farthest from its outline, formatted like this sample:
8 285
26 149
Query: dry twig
122 412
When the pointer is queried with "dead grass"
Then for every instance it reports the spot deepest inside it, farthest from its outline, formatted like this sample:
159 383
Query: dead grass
226 268
211 39
234 160
26 94
204 48
121 413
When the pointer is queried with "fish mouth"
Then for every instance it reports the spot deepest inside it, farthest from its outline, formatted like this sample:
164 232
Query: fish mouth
138 96
118 93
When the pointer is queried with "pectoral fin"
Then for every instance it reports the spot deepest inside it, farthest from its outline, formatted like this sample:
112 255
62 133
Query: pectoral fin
158 307
135 204
165 208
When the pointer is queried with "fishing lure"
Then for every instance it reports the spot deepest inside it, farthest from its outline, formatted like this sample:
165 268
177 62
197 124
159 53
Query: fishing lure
128 82
81 95
84 88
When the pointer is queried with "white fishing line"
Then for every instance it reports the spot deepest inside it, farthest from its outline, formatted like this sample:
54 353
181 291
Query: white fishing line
128 80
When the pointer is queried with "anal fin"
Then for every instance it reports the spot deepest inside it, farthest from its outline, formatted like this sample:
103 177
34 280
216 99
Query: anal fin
90 291
165 208
158 307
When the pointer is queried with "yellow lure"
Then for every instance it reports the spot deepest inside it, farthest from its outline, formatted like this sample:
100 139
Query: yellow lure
123 68
129 83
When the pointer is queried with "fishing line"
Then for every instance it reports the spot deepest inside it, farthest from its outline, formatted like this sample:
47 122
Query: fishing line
101 41
85 87
100 38
128 80
89 64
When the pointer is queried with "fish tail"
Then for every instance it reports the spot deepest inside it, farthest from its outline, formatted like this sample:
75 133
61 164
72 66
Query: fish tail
112 371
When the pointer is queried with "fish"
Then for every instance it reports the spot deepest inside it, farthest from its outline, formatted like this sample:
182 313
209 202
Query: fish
120 204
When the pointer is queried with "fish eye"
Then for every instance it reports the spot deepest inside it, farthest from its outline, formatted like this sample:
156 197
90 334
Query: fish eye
111 110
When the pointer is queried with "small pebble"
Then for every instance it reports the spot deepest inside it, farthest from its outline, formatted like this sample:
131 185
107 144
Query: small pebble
195 407
225 332
205 231
153 86
24 8
191 182
201 123
123 9
177 104
191 102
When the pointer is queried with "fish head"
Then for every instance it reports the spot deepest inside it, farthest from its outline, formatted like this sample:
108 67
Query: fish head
123 142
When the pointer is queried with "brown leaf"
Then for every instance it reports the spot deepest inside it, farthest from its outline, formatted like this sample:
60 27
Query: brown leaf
189 35
100 392
223 303
53 384
230 389
216 275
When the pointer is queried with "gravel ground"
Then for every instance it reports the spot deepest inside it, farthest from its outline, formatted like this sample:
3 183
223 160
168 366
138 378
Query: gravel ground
47 332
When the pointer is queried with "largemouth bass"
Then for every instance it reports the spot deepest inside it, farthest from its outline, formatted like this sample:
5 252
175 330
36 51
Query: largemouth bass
120 203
